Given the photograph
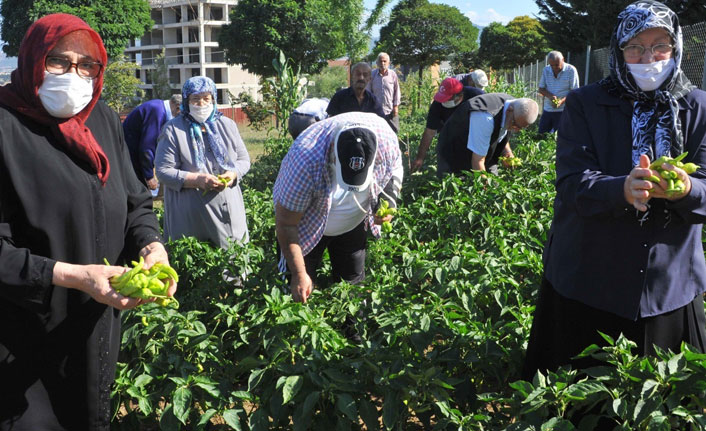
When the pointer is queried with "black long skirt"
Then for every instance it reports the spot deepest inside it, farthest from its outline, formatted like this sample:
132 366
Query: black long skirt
563 328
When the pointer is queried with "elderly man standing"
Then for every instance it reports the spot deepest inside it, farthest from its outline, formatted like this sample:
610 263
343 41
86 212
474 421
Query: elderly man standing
386 88
449 97
477 133
142 127
326 194
356 97
558 78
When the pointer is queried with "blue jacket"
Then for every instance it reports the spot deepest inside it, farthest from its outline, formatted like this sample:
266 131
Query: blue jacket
142 128
599 252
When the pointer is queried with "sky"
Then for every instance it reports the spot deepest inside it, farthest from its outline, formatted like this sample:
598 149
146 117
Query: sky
483 12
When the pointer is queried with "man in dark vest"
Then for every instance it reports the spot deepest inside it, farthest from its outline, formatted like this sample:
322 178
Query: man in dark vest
477 133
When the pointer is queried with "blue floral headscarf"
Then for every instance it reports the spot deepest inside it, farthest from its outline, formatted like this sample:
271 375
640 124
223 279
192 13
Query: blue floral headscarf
202 84
656 128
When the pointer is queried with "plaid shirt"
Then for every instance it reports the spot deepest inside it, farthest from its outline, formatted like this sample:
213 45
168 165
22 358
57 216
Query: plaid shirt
305 180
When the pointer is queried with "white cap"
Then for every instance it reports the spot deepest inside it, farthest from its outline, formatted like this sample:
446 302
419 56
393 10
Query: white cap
479 78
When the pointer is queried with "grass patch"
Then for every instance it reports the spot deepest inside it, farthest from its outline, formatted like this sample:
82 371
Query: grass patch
254 139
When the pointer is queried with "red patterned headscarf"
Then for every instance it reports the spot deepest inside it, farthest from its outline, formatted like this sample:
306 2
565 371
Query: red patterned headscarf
20 94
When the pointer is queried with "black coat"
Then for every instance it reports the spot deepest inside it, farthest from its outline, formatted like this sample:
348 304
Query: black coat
58 347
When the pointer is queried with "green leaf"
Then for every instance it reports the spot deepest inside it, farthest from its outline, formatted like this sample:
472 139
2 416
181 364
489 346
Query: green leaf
169 422
145 405
620 407
303 413
206 418
181 399
425 323
557 424
143 380
369 414
676 363
391 409
346 405
259 421
291 388
255 379
208 385
232 418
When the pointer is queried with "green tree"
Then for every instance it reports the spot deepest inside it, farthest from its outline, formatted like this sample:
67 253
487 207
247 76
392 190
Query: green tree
160 78
15 22
309 31
521 41
573 24
420 33
120 86
117 21
328 81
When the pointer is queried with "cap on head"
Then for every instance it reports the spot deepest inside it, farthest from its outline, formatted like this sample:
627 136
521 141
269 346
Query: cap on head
479 78
355 148
449 88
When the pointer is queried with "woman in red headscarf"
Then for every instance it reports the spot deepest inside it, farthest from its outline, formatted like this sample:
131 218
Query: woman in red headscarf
68 199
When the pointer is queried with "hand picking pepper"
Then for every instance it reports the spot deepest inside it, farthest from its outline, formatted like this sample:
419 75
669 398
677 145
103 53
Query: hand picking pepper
146 284
512 162
383 211
674 184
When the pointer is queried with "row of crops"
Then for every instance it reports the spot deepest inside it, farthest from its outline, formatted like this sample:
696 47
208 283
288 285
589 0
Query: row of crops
444 315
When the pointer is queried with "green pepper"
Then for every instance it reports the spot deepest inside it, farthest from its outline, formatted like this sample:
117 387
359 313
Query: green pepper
690 168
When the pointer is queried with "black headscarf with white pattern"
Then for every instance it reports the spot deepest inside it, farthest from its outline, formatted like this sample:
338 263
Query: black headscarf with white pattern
656 128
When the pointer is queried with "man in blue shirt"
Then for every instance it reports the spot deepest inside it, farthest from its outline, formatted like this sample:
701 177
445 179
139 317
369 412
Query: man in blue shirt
558 78
142 128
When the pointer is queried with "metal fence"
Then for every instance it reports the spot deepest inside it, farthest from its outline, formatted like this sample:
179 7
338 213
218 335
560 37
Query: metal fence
592 64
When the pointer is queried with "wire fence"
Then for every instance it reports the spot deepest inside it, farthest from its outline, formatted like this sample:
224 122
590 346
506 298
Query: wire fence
592 64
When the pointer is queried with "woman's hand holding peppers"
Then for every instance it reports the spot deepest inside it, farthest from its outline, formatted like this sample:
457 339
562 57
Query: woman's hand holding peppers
93 280
657 180
156 253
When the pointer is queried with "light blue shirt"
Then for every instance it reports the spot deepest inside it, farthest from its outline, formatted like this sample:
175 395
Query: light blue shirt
480 130
565 81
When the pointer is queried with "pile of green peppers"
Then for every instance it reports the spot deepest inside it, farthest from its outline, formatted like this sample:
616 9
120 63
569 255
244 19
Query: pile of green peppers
146 284
224 180
383 211
674 184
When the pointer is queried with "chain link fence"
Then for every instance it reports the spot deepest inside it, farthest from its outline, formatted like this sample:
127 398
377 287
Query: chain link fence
592 64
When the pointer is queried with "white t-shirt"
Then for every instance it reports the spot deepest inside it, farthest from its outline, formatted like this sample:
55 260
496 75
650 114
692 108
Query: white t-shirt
345 214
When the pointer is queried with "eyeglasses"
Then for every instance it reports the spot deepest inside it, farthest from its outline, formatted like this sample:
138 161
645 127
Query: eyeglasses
61 65
200 100
636 51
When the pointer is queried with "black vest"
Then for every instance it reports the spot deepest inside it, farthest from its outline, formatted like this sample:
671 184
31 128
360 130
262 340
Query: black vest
453 140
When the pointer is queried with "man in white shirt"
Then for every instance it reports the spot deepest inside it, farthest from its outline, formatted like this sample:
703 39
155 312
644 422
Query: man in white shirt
477 134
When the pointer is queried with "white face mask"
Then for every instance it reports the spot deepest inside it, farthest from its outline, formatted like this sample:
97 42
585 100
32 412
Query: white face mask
650 76
64 96
200 113
452 103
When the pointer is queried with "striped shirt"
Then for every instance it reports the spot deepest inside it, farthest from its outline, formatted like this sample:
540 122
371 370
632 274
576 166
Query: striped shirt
306 179
565 81
386 89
